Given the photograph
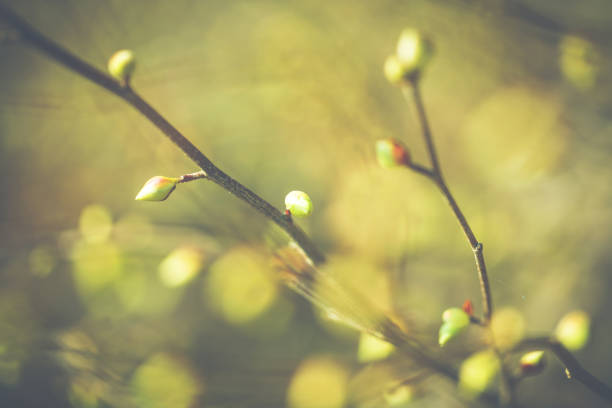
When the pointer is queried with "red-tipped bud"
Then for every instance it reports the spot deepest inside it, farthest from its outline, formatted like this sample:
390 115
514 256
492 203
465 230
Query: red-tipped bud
532 363
391 153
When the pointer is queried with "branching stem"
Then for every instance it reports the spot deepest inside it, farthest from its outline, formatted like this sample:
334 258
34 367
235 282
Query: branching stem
435 175
56 52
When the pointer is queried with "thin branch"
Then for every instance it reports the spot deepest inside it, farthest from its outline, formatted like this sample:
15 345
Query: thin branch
435 174
192 176
573 367
56 52
431 149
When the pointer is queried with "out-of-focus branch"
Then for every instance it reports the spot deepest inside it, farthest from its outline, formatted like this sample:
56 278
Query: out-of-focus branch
574 369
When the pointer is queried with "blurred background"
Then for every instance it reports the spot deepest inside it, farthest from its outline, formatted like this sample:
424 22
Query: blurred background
109 302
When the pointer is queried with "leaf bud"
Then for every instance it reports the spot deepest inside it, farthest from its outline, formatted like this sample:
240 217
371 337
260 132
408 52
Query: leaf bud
121 65
391 153
158 188
298 204
393 70
414 51
454 320
532 363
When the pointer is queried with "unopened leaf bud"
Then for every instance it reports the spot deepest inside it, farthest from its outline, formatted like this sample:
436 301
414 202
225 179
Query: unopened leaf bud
298 204
158 188
391 153
532 363
414 51
454 320
393 70
121 65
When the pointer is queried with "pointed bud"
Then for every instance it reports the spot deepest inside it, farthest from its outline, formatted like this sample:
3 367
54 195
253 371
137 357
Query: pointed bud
391 153
532 363
573 330
121 65
157 188
414 51
298 204
454 321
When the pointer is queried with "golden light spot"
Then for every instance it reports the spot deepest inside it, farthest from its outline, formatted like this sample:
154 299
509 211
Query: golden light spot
478 371
95 266
180 266
165 381
240 286
95 223
579 61
319 382
508 327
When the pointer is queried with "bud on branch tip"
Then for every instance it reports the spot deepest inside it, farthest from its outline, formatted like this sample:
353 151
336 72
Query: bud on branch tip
532 363
158 188
414 50
391 153
454 320
298 204
121 65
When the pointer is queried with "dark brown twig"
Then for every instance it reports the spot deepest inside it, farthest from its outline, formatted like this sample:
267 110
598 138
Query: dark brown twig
30 35
435 174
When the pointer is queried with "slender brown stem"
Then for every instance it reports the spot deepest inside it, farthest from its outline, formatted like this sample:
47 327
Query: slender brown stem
435 174
416 93
477 248
573 367
192 176
56 52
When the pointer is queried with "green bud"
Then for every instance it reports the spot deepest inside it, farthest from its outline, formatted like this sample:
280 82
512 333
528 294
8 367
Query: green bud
532 363
391 153
157 188
393 70
298 204
573 330
414 51
121 65
454 321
